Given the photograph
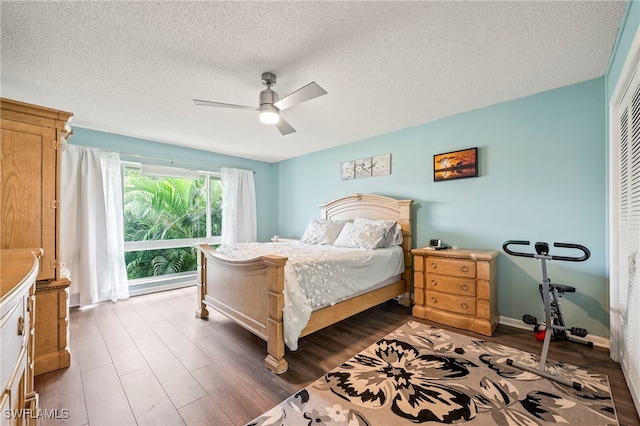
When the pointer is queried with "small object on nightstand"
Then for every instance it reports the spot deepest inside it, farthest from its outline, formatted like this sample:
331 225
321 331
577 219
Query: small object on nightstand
437 245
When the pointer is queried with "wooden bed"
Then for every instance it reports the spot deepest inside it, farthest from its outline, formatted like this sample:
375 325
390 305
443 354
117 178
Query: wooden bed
250 292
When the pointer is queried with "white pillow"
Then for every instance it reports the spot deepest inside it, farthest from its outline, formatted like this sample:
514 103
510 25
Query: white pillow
393 235
321 232
361 235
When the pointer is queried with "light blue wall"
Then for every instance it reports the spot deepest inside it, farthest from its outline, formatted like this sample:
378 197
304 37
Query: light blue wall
630 24
183 157
542 178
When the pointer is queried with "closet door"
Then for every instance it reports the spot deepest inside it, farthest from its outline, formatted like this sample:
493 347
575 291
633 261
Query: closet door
628 232
28 159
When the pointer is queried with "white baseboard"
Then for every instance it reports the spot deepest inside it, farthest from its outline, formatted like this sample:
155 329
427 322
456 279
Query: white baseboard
138 290
633 390
517 323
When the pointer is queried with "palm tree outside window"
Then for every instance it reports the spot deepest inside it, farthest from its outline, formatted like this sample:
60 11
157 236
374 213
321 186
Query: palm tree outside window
167 211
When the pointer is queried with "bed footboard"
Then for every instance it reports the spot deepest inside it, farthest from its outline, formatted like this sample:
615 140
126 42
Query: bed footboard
250 292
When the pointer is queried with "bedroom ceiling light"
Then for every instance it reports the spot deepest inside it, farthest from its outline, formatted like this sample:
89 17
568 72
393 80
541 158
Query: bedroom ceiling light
269 114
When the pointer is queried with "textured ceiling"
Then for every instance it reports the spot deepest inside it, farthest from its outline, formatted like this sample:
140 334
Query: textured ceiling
134 67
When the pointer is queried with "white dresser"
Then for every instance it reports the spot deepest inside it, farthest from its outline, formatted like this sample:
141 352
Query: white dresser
18 271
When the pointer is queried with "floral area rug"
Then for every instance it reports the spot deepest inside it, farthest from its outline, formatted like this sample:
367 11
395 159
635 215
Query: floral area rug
422 374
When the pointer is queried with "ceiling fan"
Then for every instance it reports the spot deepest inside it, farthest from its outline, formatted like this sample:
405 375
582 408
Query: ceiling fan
271 105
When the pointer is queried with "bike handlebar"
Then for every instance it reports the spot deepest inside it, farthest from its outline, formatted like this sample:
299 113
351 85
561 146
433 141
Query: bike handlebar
586 253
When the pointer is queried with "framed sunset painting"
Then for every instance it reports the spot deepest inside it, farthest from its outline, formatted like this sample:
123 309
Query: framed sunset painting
455 165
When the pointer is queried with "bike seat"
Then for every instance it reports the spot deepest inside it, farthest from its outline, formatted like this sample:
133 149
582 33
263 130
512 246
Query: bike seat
560 288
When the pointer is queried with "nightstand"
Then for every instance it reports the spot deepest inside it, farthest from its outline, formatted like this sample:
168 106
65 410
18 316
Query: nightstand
456 288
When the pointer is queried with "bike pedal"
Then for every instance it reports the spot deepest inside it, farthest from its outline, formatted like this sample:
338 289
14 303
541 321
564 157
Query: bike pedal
580 332
529 319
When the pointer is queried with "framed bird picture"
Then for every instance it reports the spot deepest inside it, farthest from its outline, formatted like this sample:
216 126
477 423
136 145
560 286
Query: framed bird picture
455 165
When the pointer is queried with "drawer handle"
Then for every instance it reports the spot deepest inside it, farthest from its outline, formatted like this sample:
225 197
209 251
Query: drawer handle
464 269
434 283
434 300
433 265
464 287
464 306
20 326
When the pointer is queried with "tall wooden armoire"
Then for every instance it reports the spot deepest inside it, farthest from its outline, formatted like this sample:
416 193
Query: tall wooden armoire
30 152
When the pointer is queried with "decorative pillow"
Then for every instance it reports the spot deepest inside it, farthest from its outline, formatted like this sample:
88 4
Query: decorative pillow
394 238
393 235
361 235
321 232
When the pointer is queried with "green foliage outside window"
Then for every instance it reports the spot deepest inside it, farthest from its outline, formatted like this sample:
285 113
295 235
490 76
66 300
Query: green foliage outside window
149 263
165 208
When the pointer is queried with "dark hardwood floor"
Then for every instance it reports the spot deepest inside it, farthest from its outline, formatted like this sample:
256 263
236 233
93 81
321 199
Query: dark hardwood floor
148 360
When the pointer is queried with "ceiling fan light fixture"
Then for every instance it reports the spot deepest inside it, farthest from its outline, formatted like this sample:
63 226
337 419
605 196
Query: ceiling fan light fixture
269 114
270 104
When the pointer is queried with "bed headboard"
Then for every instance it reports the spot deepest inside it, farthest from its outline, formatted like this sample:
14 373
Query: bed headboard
372 207
376 207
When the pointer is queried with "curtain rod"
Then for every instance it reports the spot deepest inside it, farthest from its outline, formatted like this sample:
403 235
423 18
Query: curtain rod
150 157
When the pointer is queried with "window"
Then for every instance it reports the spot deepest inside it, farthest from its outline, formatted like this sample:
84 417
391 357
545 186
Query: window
166 212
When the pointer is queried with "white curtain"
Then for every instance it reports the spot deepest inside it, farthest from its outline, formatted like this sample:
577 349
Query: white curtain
91 228
239 223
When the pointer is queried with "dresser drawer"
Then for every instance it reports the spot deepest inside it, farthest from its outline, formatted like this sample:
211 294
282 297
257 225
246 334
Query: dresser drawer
13 334
451 303
15 387
454 267
451 285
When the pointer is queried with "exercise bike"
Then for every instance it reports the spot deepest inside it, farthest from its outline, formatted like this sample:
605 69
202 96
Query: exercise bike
551 293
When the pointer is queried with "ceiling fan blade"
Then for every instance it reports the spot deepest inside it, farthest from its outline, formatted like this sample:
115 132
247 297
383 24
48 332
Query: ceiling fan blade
223 105
284 127
310 91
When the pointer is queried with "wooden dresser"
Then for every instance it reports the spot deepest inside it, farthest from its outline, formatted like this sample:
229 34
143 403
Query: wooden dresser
30 151
18 271
456 288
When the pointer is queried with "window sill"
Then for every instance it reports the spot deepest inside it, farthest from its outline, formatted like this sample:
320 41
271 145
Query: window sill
161 283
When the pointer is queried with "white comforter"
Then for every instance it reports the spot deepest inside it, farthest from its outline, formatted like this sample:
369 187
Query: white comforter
321 275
